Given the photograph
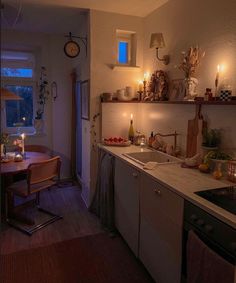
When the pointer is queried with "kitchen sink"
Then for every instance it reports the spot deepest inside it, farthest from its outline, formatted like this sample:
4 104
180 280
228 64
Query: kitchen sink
154 156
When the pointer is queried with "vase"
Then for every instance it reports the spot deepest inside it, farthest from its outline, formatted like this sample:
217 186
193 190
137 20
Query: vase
39 126
190 88
2 149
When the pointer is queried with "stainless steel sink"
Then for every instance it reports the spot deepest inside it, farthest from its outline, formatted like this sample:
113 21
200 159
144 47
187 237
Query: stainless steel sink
155 156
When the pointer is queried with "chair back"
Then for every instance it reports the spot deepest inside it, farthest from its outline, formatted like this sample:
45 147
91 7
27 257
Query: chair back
38 148
43 171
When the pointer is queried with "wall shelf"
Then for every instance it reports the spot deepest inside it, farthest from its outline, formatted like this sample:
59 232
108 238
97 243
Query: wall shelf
233 102
125 68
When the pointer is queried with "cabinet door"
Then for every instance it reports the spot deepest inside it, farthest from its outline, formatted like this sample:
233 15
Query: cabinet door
127 203
161 218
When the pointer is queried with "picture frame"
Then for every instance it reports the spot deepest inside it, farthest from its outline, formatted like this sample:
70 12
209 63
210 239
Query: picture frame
177 90
85 100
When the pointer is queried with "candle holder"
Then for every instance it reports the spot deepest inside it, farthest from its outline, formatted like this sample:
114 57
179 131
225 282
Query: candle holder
140 95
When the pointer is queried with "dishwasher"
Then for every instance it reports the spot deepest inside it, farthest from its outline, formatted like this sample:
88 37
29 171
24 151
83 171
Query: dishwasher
215 234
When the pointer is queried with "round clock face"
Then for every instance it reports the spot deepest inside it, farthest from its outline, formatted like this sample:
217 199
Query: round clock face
71 49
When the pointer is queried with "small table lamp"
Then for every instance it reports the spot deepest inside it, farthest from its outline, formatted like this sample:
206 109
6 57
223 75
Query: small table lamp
157 41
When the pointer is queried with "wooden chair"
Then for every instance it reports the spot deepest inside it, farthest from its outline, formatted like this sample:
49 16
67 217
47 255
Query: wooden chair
38 148
40 176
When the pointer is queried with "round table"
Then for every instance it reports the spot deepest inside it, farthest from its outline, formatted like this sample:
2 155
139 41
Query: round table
13 167
8 169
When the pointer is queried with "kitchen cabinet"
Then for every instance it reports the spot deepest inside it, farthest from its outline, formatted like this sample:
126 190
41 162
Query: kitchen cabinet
127 203
161 218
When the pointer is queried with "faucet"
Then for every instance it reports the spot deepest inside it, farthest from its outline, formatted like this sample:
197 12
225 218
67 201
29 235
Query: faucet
169 135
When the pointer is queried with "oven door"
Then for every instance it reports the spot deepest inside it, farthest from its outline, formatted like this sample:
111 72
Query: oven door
215 234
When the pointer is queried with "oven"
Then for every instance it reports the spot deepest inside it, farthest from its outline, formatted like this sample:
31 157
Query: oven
218 236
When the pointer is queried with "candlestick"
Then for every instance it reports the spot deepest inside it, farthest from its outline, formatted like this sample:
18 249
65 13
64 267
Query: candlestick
217 79
23 143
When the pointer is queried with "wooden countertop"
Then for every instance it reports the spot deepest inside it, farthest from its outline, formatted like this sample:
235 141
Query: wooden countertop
182 181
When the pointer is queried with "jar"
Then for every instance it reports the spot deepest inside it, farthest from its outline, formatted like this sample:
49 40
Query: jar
208 94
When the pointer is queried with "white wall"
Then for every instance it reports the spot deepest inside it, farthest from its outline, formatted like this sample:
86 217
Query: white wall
103 28
211 25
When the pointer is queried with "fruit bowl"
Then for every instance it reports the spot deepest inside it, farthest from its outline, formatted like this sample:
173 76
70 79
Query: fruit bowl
116 141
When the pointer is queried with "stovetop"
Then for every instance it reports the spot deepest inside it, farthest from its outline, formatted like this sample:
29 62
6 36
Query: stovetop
223 197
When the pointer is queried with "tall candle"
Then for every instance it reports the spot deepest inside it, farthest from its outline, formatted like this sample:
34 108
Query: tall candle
217 76
140 86
23 143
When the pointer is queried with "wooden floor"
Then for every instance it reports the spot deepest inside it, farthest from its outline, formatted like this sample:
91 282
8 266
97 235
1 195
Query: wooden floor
76 222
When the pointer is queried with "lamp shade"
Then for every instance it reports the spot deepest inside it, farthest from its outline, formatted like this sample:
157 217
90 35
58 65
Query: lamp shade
157 40
8 95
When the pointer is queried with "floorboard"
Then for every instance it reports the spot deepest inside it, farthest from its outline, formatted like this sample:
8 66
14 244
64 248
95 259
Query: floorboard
76 222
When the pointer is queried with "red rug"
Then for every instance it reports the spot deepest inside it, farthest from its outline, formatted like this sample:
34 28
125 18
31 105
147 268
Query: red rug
91 259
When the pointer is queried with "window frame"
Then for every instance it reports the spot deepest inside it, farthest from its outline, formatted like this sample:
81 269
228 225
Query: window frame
15 81
131 38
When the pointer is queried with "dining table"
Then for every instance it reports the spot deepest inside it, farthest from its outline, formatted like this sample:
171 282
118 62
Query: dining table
9 170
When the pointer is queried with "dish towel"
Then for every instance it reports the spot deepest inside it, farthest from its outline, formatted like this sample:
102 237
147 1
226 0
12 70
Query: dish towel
204 265
150 165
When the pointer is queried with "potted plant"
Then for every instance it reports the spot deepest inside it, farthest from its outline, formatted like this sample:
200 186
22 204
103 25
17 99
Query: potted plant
4 141
211 138
43 96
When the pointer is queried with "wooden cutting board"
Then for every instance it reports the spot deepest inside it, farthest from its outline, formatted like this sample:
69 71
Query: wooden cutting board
194 133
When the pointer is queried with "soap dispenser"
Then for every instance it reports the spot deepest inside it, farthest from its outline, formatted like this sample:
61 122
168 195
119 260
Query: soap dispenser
151 139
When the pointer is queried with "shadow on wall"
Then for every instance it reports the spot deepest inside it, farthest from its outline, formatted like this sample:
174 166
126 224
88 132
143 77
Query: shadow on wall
65 165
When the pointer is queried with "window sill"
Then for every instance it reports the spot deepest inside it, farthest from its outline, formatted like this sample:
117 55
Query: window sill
125 67
28 134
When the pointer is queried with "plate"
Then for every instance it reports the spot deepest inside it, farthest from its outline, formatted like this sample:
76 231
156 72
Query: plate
112 143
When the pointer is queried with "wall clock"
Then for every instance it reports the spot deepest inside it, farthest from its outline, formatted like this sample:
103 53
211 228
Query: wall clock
71 49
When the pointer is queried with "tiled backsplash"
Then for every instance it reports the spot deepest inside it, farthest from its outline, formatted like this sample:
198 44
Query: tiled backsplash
167 118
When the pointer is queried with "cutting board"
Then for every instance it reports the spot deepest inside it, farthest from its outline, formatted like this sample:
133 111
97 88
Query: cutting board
194 133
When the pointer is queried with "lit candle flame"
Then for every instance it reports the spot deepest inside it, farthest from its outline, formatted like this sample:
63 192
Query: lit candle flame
131 116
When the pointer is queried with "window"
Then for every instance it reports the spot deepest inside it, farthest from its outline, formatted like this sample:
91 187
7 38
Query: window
17 72
126 48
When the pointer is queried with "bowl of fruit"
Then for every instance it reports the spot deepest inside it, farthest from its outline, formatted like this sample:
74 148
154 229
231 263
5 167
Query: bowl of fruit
116 141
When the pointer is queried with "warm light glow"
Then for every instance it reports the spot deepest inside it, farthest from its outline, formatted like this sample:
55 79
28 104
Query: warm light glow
140 85
146 76
22 136
218 68
131 116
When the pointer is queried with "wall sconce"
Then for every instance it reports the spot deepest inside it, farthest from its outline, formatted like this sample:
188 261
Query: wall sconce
157 41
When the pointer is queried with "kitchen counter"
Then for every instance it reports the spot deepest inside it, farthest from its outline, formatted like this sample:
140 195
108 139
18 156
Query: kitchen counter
182 181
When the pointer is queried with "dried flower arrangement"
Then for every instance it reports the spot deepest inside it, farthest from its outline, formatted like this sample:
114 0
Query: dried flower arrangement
191 60
43 93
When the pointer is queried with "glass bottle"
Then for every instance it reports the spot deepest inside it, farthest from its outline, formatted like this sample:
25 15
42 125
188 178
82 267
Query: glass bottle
131 132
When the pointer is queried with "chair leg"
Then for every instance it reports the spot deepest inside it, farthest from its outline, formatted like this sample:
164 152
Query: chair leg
37 198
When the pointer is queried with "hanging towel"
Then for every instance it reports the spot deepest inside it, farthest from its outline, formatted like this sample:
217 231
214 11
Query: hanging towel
204 265
103 201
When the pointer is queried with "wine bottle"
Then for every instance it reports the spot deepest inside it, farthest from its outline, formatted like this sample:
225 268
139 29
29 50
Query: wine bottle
131 131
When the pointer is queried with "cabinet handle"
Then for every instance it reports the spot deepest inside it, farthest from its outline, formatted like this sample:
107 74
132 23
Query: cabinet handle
157 191
135 175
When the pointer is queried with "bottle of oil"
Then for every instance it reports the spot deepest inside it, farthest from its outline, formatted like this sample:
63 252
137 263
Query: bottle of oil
131 130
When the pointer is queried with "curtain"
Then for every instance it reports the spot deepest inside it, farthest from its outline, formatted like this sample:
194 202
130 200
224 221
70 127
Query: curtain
103 201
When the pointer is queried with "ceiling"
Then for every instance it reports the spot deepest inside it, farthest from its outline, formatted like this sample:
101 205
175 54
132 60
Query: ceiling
139 8
54 16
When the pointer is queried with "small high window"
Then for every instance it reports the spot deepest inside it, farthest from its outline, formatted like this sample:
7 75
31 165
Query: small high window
126 47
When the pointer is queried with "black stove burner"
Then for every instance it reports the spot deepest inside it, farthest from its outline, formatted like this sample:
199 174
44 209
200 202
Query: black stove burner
223 197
